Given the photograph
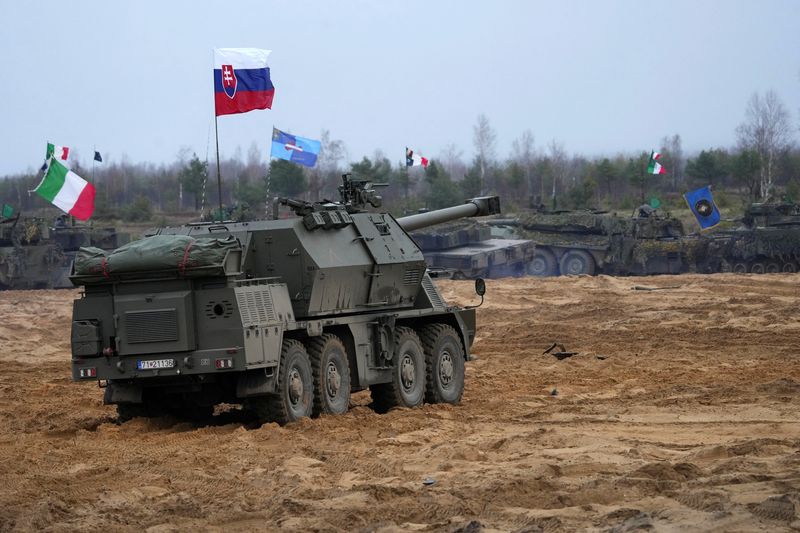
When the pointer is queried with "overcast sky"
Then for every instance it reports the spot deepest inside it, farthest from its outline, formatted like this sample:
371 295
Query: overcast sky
134 78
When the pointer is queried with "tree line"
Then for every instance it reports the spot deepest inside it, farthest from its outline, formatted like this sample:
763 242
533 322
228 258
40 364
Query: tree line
764 165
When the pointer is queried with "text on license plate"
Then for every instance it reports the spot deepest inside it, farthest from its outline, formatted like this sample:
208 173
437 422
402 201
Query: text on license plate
156 363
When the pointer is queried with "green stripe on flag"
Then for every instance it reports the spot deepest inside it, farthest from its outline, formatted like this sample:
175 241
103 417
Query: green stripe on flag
52 181
51 149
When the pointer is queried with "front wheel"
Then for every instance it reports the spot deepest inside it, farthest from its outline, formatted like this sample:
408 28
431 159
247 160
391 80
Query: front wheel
407 388
444 364
543 263
576 262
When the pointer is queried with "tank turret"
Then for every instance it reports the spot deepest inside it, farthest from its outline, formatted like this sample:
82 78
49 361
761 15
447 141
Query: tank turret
286 316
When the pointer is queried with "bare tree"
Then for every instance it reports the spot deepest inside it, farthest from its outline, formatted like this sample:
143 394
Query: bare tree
523 153
676 161
451 159
325 177
483 138
767 131
559 166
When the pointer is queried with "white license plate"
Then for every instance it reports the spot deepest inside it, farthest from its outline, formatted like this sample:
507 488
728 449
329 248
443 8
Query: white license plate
156 363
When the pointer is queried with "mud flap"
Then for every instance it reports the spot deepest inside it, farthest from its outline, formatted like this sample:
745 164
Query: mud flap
256 383
122 393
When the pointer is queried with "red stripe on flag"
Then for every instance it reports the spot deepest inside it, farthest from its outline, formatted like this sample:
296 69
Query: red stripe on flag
65 153
243 102
84 206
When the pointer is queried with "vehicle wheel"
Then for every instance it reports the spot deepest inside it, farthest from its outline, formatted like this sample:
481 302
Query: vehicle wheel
576 262
789 267
758 268
407 388
295 397
543 263
444 364
331 371
740 268
773 267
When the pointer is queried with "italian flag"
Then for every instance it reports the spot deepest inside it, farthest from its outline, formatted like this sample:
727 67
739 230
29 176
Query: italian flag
67 191
654 167
59 152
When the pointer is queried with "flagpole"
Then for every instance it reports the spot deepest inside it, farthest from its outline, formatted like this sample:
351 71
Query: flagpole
219 177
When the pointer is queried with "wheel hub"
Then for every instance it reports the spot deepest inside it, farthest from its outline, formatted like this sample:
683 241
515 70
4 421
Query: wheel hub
333 381
446 368
407 372
295 387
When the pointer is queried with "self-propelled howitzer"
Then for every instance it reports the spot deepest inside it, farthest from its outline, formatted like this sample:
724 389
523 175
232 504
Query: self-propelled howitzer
285 316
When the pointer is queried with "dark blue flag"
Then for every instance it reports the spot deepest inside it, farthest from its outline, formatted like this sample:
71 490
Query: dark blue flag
702 205
294 148
97 157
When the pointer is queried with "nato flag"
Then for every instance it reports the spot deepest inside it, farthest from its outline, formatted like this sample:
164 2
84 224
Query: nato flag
294 148
97 157
702 205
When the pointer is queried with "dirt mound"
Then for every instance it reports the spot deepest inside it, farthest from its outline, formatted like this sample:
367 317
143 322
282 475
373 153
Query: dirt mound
688 420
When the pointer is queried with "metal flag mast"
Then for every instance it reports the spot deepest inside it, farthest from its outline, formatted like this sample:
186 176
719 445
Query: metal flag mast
219 176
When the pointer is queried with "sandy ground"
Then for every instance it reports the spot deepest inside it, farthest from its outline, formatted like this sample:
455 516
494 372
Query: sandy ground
680 412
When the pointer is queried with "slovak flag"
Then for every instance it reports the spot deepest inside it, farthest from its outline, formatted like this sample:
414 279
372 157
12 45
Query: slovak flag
241 80
413 160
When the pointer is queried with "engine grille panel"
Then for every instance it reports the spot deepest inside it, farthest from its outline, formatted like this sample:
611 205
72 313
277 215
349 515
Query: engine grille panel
160 325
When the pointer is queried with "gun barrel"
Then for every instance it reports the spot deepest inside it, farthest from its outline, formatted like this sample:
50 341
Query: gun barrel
475 207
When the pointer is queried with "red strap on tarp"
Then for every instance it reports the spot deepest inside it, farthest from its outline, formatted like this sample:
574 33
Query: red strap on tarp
185 261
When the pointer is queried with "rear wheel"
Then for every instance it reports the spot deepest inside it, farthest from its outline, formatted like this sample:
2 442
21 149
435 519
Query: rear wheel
294 399
543 263
789 267
444 364
331 373
576 262
407 387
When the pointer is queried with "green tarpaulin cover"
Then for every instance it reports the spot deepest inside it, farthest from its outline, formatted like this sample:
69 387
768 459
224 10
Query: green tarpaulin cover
181 254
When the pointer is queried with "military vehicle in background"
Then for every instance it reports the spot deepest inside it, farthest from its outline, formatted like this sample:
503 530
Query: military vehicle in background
29 258
594 242
71 236
467 250
284 316
768 241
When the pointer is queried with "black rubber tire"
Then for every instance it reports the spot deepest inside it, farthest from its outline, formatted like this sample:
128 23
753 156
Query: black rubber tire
758 267
295 397
740 267
543 263
444 364
773 267
576 262
331 371
789 267
407 388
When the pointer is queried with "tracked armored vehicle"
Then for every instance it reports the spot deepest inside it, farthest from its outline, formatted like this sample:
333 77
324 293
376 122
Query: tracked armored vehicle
286 317
467 250
768 241
29 259
592 242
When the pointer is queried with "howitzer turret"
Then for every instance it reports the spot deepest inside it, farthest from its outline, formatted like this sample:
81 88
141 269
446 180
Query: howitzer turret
286 316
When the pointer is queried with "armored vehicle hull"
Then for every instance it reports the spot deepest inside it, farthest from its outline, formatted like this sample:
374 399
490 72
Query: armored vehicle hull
768 240
586 242
29 259
468 251
286 317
